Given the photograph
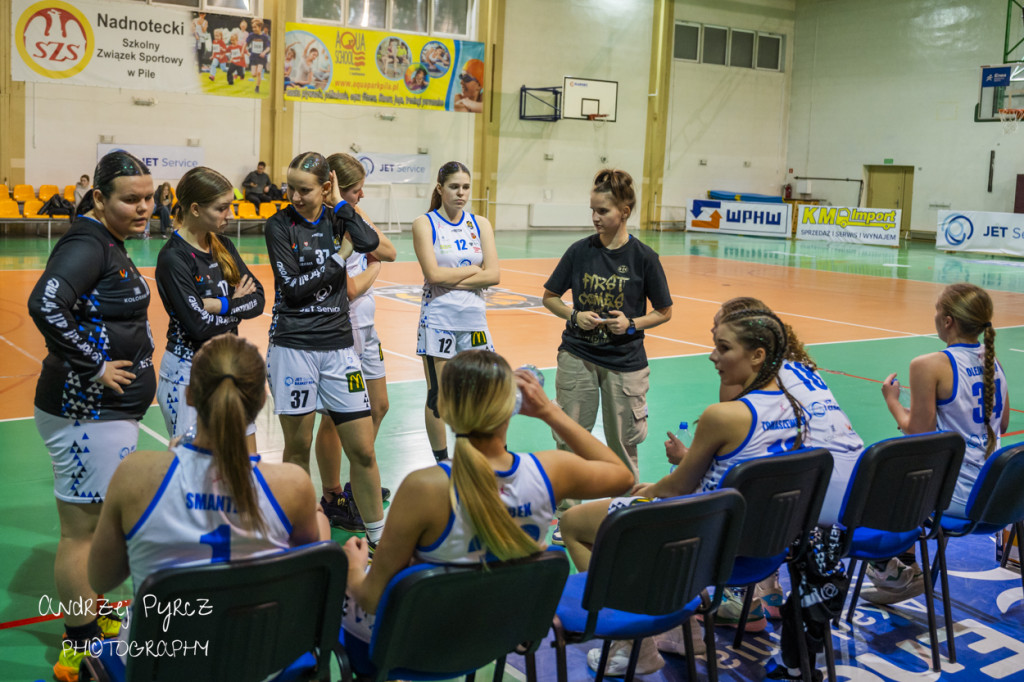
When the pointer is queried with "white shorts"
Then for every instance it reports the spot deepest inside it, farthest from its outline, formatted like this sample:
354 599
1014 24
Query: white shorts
179 416
302 380
85 453
441 343
370 352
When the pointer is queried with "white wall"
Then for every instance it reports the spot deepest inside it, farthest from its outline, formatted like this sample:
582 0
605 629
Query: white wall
726 115
877 79
546 40
63 124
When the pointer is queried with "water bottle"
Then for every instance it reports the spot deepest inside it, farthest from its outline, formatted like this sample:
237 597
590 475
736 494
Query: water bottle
685 437
904 393
519 394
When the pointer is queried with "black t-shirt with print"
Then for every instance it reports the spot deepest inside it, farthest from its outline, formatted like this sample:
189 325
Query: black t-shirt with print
601 280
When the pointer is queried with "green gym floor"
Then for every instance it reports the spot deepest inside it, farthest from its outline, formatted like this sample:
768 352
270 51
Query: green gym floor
864 312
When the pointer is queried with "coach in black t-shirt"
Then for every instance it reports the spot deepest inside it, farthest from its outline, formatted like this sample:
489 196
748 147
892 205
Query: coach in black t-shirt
602 359
258 187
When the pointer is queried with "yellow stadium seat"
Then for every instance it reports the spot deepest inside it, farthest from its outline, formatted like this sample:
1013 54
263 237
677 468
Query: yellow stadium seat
267 209
234 208
69 193
32 207
23 193
247 211
47 191
9 209
5 194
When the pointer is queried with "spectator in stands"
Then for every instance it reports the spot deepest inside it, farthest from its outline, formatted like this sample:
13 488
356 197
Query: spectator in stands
81 188
258 186
163 201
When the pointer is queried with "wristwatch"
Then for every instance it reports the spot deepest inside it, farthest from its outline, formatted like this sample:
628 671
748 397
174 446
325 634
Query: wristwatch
632 327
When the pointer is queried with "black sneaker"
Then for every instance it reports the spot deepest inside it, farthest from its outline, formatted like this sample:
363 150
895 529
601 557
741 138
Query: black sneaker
343 514
385 493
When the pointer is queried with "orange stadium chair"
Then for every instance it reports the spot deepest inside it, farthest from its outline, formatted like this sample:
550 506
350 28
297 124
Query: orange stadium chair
23 193
234 208
247 211
267 209
9 209
69 193
47 191
32 207
5 194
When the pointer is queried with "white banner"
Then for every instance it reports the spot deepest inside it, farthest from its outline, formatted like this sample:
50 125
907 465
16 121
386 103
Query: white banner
138 46
982 232
396 168
739 217
165 162
849 225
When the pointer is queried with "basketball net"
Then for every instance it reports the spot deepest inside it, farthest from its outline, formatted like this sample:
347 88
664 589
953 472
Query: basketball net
1011 118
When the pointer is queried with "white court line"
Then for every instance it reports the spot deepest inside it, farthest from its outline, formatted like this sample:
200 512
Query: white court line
20 349
524 272
646 333
153 433
401 355
1018 350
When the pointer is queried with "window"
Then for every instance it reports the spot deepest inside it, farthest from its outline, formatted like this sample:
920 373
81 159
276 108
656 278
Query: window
741 49
325 10
409 15
687 42
426 17
769 52
715 40
367 13
451 16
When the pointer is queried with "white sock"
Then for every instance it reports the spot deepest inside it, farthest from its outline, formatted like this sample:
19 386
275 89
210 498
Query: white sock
374 529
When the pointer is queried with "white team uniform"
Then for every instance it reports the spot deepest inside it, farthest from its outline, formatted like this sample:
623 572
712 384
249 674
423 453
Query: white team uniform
963 412
452 320
527 494
361 312
193 520
827 427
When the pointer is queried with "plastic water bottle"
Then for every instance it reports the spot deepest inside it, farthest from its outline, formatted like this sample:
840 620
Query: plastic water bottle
685 437
519 394
904 393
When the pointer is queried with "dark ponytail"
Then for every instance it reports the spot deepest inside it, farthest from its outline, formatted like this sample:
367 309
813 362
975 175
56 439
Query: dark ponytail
116 164
443 173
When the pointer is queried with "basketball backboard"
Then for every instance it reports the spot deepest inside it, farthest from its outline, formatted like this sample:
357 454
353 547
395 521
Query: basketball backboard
1002 87
584 98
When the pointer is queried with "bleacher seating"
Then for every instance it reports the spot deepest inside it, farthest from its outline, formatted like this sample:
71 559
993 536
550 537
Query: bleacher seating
9 209
23 193
31 210
5 193
69 193
47 191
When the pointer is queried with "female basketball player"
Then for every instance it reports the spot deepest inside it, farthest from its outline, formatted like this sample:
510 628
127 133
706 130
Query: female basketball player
477 398
157 515
312 361
459 260
97 380
602 359
205 287
362 269
750 350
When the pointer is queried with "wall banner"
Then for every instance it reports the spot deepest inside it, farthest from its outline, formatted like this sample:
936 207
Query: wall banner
165 162
138 46
1001 233
354 66
739 217
849 225
396 168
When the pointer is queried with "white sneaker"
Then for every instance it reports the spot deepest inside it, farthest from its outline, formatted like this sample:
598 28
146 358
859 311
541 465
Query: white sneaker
650 660
895 583
673 642
769 591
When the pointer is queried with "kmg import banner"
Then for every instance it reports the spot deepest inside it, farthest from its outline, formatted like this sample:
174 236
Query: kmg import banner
739 217
850 225
354 66
1001 233
138 46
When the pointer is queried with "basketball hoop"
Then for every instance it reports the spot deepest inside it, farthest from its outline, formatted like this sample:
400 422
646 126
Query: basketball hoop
1011 118
596 117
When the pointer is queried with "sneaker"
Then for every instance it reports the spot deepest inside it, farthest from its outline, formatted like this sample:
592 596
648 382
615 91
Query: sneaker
769 591
341 513
673 642
895 583
110 625
732 606
650 660
556 536
779 672
68 663
385 493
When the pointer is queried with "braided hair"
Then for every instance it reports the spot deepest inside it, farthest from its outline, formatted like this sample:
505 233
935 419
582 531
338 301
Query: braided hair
762 329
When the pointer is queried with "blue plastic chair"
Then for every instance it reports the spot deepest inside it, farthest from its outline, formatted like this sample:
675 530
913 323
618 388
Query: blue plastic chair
898 485
649 565
996 501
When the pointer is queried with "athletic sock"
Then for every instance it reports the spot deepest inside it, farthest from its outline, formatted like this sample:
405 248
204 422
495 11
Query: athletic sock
82 633
333 493
441 454
374 529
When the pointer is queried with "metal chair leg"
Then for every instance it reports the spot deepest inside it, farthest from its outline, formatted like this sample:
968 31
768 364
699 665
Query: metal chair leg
499 669
634 657
748 599
947 600
606 646
856 592
691 663
929 598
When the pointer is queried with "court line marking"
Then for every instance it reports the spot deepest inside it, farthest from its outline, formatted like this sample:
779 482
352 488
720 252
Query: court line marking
1018 350
20 349
153 433
548 313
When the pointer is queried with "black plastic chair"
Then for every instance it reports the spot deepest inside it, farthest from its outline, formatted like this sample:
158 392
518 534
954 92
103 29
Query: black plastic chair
649 565
996 501
441 622
896 487
262 614
784 494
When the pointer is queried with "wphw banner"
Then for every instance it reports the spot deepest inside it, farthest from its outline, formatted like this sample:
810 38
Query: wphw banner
982 232
739 217
849 225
